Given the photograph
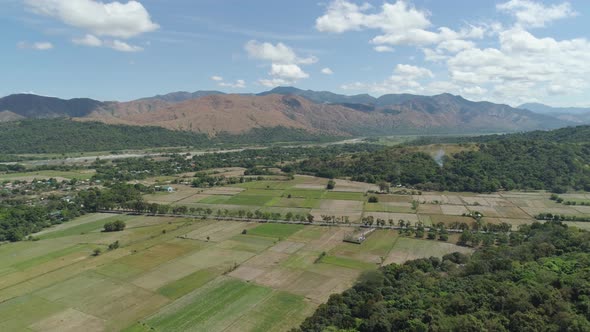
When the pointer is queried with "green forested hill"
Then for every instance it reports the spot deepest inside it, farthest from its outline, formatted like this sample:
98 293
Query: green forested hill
540 282
553 160
63 136
579 134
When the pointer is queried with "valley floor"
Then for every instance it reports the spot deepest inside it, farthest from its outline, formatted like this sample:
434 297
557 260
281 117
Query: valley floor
183 274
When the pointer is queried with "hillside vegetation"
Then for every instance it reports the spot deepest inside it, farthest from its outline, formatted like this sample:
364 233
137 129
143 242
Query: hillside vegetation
63 136
539 160
539 282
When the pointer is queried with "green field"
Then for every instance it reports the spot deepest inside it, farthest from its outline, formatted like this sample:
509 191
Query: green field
211 308
383 207
347 262
215 199
187 284
82 228
183 274
265 280
342 195
275 230
250 200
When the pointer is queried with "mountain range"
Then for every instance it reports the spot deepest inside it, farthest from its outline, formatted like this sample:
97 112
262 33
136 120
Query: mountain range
318 112
579 115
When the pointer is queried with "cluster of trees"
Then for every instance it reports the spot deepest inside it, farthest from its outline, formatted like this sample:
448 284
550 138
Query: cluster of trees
561 217
579 134
560 200
115 226
254 160
19 219
539 282
504 164
47 136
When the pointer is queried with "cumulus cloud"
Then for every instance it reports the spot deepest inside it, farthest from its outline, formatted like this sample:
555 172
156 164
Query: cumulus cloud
327 71
216 78
284 62
405 79
39 46
113 19
279 53
533 14
399 22
506 64
524 66
288 71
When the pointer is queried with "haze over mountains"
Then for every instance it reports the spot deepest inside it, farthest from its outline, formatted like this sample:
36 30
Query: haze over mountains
323 112
580 115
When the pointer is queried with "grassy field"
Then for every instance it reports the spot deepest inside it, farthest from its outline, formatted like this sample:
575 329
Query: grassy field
268 279
275 230
175 274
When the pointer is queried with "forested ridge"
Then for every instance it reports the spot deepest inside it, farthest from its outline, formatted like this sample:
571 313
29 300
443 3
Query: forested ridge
541 283
501 164
578 134
64 135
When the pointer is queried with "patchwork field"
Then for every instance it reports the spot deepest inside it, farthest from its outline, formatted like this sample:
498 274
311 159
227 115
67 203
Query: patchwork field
308 195
174 274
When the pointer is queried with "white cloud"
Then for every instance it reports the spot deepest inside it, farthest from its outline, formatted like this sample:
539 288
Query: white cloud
39 46
524 67
383 49
117 45
114 19
509 64
399 22
327 71
409 71
284 62
216 78
88 40
288 71
279 53
122 46
238 84
405 79
533 14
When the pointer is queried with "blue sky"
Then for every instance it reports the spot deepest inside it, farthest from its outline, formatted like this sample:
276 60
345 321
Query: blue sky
508 51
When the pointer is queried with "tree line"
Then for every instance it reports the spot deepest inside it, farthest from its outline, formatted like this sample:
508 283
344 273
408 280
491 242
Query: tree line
537 282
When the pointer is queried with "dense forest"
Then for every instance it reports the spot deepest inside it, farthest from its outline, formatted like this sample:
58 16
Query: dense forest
503 164
579 134
63 136
539 284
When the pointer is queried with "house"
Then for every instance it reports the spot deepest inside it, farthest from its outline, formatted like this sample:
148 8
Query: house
168 189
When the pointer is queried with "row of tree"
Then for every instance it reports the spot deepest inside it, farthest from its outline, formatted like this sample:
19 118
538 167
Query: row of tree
538 280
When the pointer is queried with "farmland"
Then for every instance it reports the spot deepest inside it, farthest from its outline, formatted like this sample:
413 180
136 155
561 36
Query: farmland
183 274
308 195
178 274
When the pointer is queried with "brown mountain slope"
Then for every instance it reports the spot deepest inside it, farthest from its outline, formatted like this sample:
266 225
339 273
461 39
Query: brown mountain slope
240 113
233 114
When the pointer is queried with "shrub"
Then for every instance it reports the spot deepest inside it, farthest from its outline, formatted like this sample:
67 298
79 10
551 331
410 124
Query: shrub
115 226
